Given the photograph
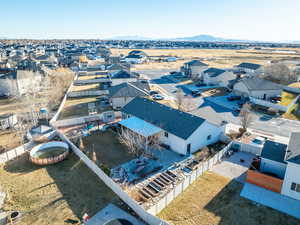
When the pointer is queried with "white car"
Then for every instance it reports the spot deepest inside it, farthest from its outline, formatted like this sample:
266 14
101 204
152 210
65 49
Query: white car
157 97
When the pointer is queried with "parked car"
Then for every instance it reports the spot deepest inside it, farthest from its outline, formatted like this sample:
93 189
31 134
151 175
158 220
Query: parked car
234 98
196 93
153 93
157 97
258 141
201 85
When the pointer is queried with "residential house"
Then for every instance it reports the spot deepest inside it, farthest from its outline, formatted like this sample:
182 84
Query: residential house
250 69
214 76
279 167
134 59
193 68
123 93
257 88
8 120
122 76
184 133
19 82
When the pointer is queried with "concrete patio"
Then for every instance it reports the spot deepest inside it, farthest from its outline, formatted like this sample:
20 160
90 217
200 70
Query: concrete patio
233 168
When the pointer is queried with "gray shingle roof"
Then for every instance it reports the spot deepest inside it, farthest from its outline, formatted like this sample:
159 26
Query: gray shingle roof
251 66
176 122
122 74
196 63
132 89
274 151
255 83
292 90
214 72
293 154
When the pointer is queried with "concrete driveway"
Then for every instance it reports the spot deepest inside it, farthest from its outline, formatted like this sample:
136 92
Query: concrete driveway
233 167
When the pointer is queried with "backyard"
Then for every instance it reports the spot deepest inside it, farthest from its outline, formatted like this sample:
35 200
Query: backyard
110 152
215 200
56 194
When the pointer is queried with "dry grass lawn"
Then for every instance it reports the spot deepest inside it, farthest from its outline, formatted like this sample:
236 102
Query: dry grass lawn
221 58
215 200
89 87
109 150
53 194
9 139
76 107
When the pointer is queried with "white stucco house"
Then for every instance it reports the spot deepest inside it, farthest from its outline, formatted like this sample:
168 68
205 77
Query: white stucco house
215 76
257 88
182 132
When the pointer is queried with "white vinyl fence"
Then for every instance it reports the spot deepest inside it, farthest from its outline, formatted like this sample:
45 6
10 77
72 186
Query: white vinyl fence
179 188
77 94
147 217
13 153
92 81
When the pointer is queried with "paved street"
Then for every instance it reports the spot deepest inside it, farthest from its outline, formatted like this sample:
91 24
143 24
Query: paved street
217 111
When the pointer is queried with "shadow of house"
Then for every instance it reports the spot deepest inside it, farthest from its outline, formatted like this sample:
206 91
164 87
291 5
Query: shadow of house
235 210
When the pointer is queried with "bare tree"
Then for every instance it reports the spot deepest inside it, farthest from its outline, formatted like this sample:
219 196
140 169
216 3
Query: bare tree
137 144
279 73
179 98
188 104
246 117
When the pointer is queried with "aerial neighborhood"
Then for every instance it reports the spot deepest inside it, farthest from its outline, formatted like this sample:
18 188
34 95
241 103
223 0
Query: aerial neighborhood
158 130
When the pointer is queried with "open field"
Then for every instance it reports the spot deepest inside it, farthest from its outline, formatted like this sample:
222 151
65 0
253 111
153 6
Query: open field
215 200
53 194
109 150
221 58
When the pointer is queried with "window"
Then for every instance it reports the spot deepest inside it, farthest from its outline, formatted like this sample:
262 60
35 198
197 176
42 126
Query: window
208 137
166 134
295 187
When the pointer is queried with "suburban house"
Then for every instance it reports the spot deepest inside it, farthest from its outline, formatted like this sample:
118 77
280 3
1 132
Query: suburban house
193 68
182 132
19 82
122 76
257 88
136 57
116 67
278 167
7 121
251 69
215 76
123 93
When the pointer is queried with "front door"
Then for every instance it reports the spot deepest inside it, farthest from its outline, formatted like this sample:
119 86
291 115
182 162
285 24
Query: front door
188 149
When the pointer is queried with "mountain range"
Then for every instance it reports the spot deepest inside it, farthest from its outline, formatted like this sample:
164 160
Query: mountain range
201 37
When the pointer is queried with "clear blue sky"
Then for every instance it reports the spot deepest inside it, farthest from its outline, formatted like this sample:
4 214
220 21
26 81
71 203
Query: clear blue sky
268 20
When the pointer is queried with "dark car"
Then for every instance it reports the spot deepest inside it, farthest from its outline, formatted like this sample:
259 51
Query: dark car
201 85
153 93
234 98
196 93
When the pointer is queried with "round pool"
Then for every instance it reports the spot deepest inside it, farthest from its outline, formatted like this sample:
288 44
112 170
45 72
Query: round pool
49 153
